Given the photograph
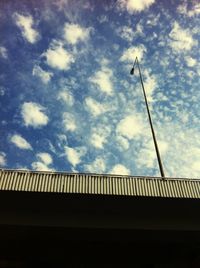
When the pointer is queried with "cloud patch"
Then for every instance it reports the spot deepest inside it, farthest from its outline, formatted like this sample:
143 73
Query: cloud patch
102 79
45 160
74 155
58 57
3 52
94 107
33 115
120 169
2 159
73 33
131 53
25 23
130 127
134 6
43 75
181 39
20 142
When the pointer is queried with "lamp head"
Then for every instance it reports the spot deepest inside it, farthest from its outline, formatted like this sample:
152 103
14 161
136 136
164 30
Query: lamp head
132 71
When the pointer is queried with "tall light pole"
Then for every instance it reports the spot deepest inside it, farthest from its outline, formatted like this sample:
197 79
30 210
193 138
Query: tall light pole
149 116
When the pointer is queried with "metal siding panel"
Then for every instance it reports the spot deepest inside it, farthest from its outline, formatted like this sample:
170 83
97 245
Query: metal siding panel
99 185
82 184
151 188
111 185
77 184
108 185
122 186
16 182
155 187
194 189
185 190
40 182
67 183
24 182
167 188
21 176
1 179
131 186
46 184
128 186
179 186
198 189
6 180
178 194
172 190
6 174
154 191
190 189
43 182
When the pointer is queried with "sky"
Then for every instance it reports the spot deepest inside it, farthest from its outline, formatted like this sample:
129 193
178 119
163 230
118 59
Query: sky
68 101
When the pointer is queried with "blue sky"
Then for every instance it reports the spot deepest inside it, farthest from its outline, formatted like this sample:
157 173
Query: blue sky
68 102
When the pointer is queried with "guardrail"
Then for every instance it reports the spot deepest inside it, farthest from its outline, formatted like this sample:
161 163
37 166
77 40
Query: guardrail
101 184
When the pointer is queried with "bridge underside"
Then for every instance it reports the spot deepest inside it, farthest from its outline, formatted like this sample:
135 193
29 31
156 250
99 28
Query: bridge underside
74 230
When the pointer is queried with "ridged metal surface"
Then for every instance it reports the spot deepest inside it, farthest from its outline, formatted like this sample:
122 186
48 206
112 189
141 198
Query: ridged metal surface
17 180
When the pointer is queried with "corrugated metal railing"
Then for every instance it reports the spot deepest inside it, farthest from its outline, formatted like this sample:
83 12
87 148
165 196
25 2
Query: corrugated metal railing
20 180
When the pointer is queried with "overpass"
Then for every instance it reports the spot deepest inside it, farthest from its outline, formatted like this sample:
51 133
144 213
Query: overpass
95 220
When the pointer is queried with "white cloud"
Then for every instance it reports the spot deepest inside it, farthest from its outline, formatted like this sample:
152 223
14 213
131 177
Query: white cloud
57 57
188 9
97 166
66 96
33 115
126 33
95 107
3 52
99 136
69 122
131 53
150 84
45 158
181 39
43 75
134 6
120 170
123 143
74 33
102 79
2 159
20 142
25 23
130 127
191 62
74 155
40 166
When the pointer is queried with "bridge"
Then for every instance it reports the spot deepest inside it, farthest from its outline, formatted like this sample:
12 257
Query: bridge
96 220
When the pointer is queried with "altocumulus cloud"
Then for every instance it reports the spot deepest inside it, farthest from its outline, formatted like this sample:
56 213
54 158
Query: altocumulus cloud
134 6
44 160
20 142
33 115
120 169
2 159
43 75
58 57
25 23
74 33
74 154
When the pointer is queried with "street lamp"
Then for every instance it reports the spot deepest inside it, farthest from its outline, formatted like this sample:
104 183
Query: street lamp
149 116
